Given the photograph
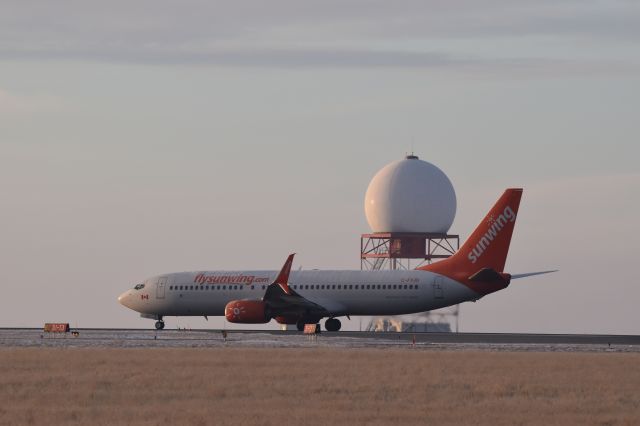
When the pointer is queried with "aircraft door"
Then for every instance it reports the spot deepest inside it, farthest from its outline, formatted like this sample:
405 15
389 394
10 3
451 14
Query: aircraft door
438 288
160 287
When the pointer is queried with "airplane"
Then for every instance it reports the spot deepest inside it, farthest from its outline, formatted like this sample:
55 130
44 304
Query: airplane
306 297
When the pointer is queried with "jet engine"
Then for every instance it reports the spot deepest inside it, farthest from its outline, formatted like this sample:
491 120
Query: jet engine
247 312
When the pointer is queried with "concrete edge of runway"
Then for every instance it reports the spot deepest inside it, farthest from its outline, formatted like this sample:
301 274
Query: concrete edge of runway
422 337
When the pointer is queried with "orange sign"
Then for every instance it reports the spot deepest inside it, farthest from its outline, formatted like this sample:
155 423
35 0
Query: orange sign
52 327
310 328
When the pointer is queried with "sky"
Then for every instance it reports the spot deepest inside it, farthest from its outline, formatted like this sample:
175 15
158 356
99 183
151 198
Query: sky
145 137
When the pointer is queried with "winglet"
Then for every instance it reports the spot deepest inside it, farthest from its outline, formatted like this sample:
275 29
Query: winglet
283 277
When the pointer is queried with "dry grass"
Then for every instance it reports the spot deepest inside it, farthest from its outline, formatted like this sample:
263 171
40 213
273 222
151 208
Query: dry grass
318 386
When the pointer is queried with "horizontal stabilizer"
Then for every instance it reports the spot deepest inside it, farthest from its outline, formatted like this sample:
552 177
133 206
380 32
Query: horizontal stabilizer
487 275
530 274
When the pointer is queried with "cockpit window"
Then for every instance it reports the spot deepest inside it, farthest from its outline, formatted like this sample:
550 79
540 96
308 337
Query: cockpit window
139 287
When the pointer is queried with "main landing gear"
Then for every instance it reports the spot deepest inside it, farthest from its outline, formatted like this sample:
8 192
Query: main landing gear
332 324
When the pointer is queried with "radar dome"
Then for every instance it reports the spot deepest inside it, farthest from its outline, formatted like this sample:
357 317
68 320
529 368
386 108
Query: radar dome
410 195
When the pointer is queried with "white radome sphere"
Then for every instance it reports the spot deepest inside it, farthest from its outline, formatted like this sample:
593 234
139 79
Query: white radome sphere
410 195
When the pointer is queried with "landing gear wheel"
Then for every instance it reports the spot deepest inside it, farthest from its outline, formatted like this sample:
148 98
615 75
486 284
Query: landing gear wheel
159 325
332 324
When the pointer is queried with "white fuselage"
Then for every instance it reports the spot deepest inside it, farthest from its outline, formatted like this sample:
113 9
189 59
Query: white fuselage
206 293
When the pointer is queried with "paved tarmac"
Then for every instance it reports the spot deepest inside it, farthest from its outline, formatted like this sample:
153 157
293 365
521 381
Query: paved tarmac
138 338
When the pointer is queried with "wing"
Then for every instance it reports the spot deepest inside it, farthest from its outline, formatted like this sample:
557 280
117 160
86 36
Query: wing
530 274
282 300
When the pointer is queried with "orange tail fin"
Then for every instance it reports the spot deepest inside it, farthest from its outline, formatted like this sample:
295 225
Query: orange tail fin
488 245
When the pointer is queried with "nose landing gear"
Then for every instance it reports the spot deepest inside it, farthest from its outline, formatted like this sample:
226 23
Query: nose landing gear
159 325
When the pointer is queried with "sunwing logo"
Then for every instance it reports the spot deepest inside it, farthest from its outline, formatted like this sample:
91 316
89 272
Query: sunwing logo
495 226
228 279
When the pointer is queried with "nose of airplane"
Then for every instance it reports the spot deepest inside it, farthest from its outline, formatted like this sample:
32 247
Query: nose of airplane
123 299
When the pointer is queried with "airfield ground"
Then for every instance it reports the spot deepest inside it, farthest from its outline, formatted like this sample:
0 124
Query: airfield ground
232 385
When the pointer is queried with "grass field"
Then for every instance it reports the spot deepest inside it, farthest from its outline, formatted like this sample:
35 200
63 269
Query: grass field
233 386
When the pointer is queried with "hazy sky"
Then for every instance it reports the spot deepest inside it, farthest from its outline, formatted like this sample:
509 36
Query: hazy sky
138 138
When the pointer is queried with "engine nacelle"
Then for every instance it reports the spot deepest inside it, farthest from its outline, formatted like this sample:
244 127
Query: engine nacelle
246 312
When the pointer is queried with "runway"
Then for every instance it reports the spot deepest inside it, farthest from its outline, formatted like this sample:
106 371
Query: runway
139 338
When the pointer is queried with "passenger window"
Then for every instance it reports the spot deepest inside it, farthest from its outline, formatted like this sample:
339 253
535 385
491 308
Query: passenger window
405 286
224 287
333 287
356 286
263 287
339 287
311 286
378 286
368 286
350 286
384 287
252 286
